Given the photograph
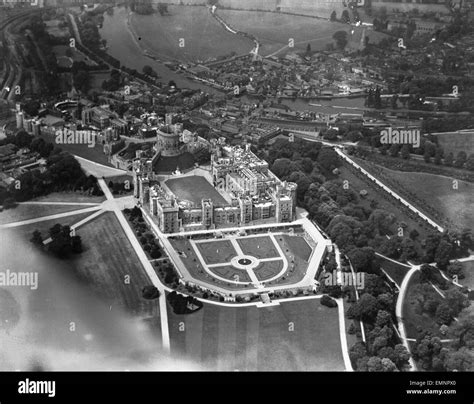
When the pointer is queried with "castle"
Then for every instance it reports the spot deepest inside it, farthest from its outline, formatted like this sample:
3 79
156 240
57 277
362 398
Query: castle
240 190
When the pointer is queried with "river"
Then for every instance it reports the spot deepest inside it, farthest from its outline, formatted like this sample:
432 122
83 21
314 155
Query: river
124 46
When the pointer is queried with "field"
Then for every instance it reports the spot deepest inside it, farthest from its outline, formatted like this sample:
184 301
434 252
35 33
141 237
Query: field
456 142
396 271
26 231
438 192
250 338
70 197
217 251
25 212
107 259
203 37
66 61
259 247
268 269
200 32
468 271
194 188
274 30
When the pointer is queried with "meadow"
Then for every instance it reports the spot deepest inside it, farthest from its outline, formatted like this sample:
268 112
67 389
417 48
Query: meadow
294 336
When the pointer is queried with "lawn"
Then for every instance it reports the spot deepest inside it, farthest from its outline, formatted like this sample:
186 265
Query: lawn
107 260
292 336
229 272
217 251
456 142
70 197
26 212
298 245
194 188
258 247
274 29
268 269
26 231
468 271
396 271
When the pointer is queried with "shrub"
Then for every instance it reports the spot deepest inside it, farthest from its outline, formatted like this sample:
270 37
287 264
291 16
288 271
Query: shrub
328 301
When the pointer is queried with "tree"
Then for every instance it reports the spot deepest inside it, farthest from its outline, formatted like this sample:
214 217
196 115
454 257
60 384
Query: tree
401 355
365 309
444 314
328 159
448 160
9 203
341 38
394 150
388 365
460 159
461 360
345 16
150 292
405 152
443 254
333 16
374 364
383 318
470 162
308 49
37 238
455 269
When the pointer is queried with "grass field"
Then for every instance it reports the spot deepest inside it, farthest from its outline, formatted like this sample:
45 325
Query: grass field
298 245
468 271
258 247
268 269
26 231
194 188
70 197
250 338
229 272
217 251
456 142
438 192
107 260
274 30
396 272
25 212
